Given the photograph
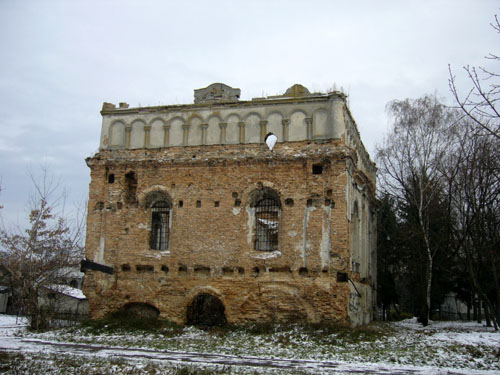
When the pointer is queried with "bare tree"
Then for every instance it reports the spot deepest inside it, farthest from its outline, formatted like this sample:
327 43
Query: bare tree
472 172
480 102
409 161
36 257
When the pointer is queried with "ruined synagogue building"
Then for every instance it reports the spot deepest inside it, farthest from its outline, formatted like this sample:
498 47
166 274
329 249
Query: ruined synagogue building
194 219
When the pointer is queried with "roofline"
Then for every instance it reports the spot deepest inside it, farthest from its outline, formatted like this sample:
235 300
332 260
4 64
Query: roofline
272 100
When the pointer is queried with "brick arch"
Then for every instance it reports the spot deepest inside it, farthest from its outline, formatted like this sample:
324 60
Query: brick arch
262 192
201 290
154 194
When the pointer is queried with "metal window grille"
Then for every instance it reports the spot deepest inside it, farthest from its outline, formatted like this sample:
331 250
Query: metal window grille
266 226
160 212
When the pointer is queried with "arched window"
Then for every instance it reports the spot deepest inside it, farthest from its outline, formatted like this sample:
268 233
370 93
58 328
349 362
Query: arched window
266 224
160 216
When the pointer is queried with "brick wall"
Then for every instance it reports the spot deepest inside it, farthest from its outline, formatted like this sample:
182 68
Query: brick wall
212 222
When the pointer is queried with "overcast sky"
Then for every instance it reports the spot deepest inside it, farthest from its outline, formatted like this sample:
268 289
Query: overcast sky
60 60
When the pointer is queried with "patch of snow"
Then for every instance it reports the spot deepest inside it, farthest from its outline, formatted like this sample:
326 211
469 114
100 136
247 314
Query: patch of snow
268 255
68 291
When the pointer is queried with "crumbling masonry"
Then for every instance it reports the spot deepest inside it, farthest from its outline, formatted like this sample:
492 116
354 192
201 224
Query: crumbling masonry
198 221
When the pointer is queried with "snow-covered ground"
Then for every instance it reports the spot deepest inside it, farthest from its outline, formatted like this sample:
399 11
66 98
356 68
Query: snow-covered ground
397 348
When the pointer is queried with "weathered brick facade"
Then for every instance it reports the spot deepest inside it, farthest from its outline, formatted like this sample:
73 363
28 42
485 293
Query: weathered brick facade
208 166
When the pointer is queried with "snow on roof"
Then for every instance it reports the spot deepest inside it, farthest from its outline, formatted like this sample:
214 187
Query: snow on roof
70 272
68 291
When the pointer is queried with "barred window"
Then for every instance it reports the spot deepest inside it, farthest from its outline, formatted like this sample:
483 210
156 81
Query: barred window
160 213
266 224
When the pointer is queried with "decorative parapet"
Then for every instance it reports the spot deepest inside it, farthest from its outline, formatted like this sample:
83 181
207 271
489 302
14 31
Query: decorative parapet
218 117
216 92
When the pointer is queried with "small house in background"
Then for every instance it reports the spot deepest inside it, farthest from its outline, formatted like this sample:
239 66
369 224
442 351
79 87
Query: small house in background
193 218
71 276
65 295
66 301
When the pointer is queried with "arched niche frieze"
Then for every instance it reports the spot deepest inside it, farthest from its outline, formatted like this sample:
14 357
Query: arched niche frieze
193 131
157 132
320 122
117 134
214 130
137 132
253 127
275 125
233 130
297 127
176 130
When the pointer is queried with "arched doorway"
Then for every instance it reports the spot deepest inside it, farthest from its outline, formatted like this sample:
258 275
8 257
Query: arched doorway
206 310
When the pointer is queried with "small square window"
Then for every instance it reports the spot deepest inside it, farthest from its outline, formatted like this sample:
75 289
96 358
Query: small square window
111 178
216 204
317 169
342 277
198 204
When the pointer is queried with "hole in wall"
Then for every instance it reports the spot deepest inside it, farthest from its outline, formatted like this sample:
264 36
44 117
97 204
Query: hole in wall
216 204
284 269
289 202
182 269
130 187
144 268
341 277
206 310
125 267
198 204
237 202
111 179
317 169
181 203
256 271
202 270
